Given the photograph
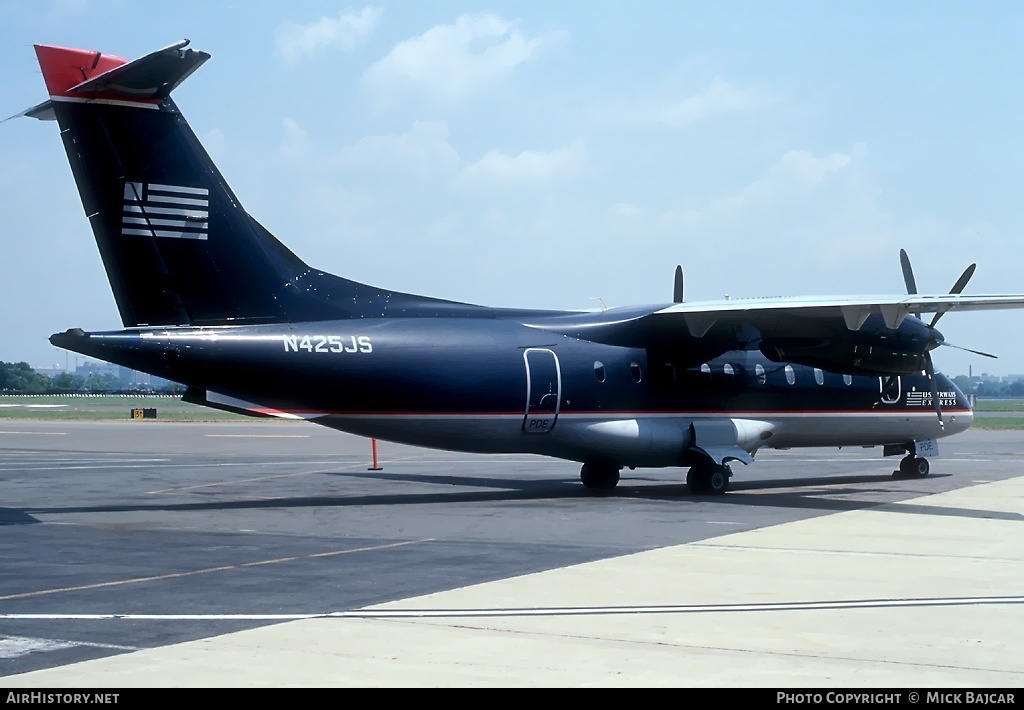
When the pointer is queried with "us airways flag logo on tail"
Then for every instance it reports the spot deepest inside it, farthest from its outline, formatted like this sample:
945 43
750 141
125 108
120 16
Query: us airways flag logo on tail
173 211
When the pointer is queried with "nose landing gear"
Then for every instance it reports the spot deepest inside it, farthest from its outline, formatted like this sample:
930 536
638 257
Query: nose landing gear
912 466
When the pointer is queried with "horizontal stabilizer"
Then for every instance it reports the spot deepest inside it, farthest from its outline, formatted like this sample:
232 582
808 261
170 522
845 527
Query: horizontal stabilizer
43 112
152 77
83 74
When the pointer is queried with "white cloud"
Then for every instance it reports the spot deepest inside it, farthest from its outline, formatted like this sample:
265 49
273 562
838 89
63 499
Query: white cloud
296 42
626 210
719 98
528 166
795 172
295 144
215 143
450 61
821 212
422 152
62 8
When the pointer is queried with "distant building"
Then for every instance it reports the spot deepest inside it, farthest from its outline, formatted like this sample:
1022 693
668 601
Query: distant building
125 378
985 377
91 367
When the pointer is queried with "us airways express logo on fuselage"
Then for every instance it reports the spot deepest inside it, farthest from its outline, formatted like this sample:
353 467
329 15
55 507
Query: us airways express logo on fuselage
924 399
327 343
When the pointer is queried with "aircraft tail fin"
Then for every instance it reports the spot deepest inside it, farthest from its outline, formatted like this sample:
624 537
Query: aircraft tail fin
177 246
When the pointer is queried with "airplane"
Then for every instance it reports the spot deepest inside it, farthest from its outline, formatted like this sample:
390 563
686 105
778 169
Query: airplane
211 299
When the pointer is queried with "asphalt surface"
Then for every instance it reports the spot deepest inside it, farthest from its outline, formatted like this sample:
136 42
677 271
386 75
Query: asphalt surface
120 539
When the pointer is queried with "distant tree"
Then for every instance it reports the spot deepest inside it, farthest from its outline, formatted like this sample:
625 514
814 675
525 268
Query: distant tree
66 382
1016 389
964 383
991 389
97 382
170 388
19 377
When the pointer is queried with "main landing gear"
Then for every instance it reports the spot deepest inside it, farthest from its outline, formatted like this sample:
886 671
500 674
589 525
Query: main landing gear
912 466
708 477
705 476
600 476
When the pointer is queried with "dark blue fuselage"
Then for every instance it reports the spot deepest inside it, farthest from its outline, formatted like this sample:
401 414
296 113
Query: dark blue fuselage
496 385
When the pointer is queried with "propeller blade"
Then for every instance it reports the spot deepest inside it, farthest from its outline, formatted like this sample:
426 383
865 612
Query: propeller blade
930 371
976 352
961 282
908 273
888 383
884 389
677 293
958 288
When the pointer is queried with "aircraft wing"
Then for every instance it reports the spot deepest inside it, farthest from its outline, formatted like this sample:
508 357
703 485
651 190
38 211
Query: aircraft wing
820 314
839 333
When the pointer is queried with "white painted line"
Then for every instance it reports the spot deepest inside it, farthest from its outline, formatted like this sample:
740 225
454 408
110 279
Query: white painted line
35 406
167 465
45 433
258 436
680 609
534 612
15 646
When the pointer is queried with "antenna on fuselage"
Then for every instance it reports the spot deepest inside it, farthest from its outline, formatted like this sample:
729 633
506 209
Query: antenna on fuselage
677 291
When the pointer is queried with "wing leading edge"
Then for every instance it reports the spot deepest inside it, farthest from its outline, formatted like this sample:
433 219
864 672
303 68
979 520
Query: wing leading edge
853 311
847 334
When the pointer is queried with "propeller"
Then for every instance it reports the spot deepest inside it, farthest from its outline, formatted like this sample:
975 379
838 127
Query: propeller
908 273
976 352
677 292
937 339
957 289
929 370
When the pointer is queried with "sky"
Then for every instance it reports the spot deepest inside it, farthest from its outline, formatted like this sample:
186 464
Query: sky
561 155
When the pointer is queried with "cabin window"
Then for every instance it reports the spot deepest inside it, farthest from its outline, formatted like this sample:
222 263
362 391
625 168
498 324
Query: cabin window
759 373
634 370
819 376
847 380
599 371
706 369
670 374
790 375
728 370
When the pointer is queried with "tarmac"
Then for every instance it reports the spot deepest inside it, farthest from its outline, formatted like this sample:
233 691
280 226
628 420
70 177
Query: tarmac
823 571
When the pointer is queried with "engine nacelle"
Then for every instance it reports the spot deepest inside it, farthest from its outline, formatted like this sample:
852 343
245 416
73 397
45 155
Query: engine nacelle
872 349
845 357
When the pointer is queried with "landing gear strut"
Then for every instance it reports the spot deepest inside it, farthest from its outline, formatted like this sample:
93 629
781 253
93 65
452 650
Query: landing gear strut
600 476
708 477
911 465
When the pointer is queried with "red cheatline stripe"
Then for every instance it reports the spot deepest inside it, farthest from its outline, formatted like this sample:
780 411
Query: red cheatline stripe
616 413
